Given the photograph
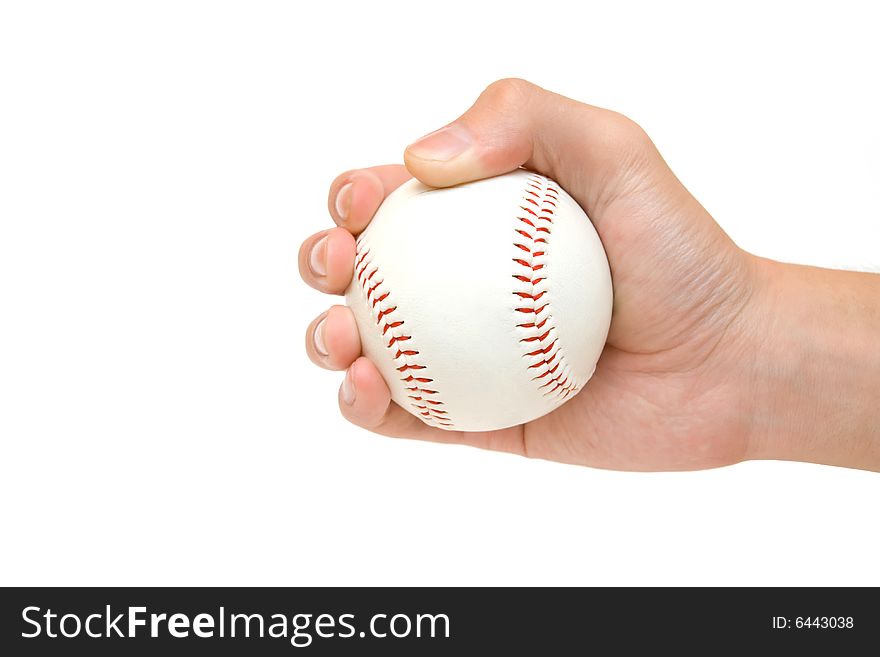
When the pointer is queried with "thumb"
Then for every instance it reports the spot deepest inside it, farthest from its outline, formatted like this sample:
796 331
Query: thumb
595 154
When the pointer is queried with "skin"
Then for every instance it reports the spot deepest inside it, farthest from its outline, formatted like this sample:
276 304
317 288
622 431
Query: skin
714 355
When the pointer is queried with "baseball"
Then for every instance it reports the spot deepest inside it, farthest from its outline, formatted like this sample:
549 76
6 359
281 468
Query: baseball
483 305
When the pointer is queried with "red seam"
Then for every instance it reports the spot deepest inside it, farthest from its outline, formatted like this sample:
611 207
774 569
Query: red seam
552 376
388 320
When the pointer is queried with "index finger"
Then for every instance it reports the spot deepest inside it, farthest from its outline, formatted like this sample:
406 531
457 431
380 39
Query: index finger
356 195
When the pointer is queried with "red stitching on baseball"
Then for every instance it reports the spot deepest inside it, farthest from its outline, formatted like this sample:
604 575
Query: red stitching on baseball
543 374
533 297
544 350
388 320
382 313
543 342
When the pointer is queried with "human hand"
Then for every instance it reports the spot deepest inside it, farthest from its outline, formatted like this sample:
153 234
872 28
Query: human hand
675 387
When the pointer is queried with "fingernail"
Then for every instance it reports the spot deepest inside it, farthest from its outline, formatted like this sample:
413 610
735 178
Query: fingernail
343 201
320 345
443 144
348 390
318 257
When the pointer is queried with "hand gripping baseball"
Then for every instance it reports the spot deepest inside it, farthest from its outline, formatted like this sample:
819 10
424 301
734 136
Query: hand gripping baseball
484 305
673 388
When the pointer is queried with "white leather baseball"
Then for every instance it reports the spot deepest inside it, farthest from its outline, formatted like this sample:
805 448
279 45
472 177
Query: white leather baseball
484 305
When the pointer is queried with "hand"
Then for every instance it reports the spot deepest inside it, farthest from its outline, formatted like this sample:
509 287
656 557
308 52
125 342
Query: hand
675 387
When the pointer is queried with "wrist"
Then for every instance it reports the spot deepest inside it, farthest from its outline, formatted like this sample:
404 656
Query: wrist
816 396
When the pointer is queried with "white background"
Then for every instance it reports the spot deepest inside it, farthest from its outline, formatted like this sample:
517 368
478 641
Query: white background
160 163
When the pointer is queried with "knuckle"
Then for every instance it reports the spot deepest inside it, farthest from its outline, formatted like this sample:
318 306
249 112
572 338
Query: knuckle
509 92
622 131
627 136
620 145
